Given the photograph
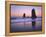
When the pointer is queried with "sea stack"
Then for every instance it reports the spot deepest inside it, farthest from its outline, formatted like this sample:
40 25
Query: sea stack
33 14
24 15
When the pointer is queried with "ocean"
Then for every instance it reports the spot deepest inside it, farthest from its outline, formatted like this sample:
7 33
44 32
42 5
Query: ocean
26 25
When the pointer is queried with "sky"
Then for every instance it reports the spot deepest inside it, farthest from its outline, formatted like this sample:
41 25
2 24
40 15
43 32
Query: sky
18 11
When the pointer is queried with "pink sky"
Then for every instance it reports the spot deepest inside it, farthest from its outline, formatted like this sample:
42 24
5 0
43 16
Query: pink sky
18 11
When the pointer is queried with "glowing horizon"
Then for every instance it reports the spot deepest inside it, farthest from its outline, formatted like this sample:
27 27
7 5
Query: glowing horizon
18 11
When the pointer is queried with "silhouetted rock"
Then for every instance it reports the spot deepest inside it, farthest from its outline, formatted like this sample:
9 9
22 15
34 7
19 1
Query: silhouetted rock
24 15
33 13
